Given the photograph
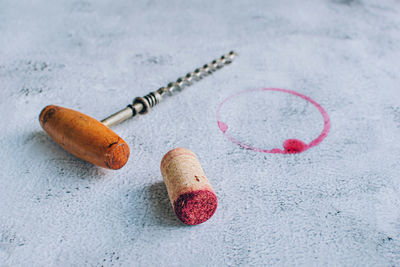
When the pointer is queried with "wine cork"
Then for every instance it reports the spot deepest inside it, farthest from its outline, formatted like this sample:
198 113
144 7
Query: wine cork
189 190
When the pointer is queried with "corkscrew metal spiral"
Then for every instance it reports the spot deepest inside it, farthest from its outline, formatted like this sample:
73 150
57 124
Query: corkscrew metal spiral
141 105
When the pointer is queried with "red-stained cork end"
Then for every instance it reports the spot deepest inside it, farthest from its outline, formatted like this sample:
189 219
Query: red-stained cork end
195 207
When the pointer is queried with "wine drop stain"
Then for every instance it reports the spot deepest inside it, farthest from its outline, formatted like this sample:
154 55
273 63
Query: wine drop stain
293 146
223 126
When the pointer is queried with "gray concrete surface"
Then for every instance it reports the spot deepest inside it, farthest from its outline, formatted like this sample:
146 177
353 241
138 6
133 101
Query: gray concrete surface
336 204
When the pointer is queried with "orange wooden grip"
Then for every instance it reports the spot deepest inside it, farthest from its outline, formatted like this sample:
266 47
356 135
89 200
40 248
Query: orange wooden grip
84 137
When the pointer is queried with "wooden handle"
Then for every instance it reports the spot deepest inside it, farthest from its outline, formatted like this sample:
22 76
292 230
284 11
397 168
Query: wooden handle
84 137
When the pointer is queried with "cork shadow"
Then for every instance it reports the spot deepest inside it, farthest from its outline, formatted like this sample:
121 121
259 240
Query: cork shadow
160 206
41 146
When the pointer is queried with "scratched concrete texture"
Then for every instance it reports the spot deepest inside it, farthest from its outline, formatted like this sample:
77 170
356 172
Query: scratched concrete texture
336 204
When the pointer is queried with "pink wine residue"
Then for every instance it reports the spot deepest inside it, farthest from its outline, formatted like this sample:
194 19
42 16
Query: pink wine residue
290 146
223 126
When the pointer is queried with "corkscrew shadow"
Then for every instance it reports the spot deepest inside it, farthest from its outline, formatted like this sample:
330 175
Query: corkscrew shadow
160 206
50 154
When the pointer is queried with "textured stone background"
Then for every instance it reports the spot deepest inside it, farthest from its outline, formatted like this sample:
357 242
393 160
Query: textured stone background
336 204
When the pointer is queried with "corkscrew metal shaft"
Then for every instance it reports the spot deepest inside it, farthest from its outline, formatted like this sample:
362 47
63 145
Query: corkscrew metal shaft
141 105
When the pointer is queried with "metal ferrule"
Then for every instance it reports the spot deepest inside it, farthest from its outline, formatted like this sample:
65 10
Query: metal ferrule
118 117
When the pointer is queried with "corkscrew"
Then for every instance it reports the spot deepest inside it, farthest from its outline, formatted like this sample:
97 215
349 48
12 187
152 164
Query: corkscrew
93 141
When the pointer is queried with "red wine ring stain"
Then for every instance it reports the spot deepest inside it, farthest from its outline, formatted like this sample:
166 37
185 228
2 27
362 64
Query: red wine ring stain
290 146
